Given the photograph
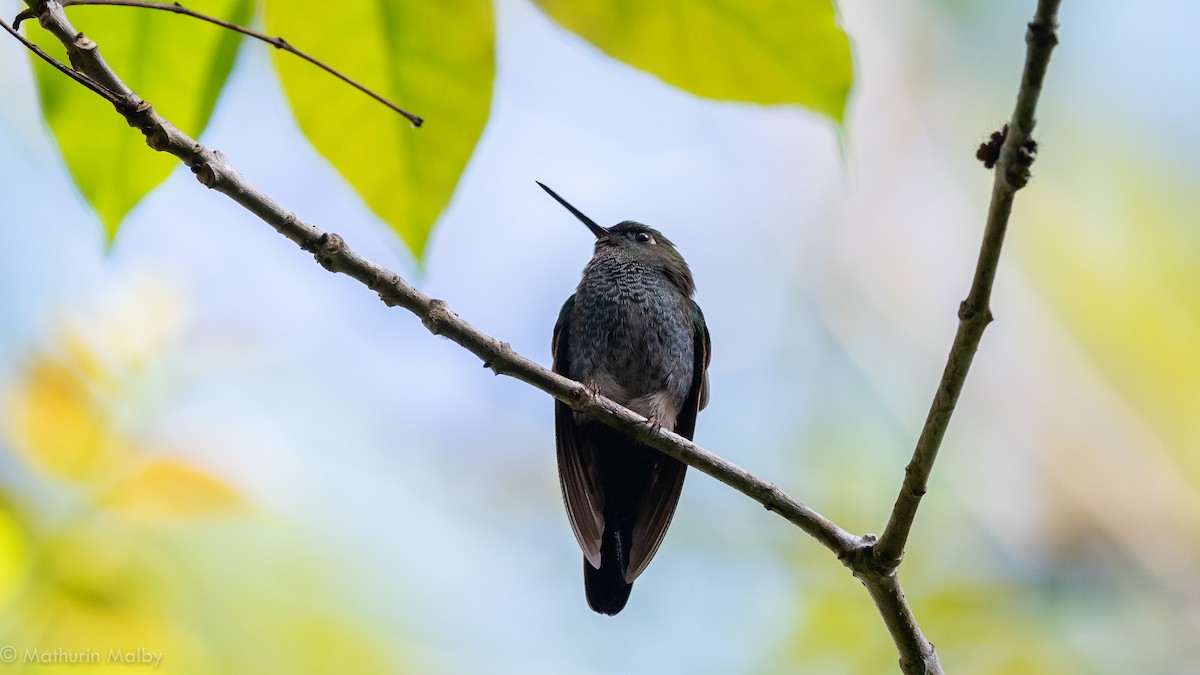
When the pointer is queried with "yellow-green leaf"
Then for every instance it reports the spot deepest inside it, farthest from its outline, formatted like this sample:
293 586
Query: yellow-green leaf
756 51
175 63
434 59
14 551
54 419
165 488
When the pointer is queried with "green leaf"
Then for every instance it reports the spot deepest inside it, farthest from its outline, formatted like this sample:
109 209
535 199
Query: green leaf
756 51
434 59
177 64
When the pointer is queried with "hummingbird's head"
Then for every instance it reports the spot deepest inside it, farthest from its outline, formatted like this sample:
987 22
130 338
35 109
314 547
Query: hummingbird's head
635 241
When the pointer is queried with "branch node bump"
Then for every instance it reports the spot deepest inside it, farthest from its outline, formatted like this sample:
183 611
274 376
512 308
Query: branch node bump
387 289
968 312
1027 152
83 42
1018 171
1042 35
330 247
1017 176
135 111
861 558
206 173
989 153
157 138
437 314
989 150
885 565
503 351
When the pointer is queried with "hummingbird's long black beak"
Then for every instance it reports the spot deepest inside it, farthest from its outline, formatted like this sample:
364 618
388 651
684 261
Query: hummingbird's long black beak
600 232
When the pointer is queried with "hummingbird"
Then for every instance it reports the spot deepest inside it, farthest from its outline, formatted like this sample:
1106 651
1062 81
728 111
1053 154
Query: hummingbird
633 333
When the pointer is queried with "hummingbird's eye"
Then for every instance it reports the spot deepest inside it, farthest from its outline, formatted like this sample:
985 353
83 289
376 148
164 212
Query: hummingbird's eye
643 238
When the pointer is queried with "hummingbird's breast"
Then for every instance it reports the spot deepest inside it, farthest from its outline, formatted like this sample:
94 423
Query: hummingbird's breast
632 337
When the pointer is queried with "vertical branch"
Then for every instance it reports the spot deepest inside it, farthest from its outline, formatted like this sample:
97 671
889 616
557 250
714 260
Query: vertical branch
1012 173
917 656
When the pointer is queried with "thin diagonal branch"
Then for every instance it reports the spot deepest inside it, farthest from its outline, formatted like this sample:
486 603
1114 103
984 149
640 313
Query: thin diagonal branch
214 171
277 42
1012 173
917 656
97 88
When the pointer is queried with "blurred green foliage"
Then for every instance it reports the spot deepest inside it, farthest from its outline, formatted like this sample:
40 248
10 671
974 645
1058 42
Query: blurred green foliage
128 548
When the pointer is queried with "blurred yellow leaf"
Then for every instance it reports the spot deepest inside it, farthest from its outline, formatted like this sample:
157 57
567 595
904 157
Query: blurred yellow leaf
120 570
63 413
85 637
96 602
166 488
53 419
14 554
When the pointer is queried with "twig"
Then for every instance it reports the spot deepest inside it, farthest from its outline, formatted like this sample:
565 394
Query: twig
86 81
1012 173
917 656
214 171
277 42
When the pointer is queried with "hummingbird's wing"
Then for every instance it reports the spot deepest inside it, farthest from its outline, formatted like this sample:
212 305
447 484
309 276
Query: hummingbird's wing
697 398
666 479
576 465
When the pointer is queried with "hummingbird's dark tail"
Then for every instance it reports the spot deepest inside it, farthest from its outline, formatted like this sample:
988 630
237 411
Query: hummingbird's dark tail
606 588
